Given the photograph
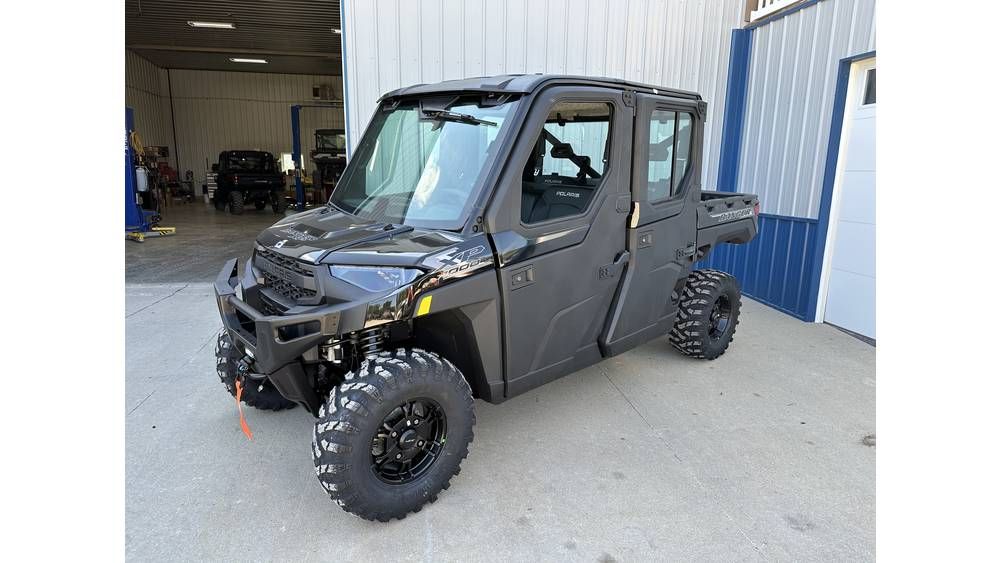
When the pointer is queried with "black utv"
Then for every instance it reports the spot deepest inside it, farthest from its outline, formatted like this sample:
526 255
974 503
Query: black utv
488 235
249 176
330 158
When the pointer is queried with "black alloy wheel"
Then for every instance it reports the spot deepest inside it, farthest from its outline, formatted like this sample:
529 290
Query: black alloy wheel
409 441
720 317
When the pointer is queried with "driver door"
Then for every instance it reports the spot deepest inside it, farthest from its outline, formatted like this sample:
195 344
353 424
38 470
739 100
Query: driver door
561 261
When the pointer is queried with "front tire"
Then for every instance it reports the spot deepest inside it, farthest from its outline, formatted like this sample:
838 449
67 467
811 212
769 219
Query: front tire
707 314
390 438
258 395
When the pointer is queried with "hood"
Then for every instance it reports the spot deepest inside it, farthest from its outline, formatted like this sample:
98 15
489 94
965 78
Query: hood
325 235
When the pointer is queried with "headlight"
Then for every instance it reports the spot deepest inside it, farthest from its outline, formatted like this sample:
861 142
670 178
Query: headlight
375 278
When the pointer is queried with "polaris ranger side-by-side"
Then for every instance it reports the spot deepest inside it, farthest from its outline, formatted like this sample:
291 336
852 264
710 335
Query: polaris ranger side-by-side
488 235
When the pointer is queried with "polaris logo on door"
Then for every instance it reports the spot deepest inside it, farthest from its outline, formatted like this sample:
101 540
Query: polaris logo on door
732 215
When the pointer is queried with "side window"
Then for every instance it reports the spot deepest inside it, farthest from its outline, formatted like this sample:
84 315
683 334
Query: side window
661 154
568 163
669 153
869 96
684 126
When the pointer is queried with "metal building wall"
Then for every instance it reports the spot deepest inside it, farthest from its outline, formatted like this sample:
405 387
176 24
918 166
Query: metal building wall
216 111
676 43
146 93
789 105
793 72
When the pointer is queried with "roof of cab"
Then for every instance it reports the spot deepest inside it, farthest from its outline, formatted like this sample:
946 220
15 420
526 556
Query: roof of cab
526 83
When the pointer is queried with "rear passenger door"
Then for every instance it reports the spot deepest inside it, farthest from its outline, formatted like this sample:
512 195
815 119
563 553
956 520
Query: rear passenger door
558 261
662 226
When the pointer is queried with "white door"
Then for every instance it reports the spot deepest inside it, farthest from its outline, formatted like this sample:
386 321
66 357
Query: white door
850 250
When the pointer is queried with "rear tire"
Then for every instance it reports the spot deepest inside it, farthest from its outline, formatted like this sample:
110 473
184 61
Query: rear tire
258 395
412 406
707 314
219 201
236 202
278 203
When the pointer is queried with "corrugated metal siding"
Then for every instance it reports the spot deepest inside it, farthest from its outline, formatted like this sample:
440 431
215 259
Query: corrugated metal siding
215 111
675 43
146 93
773 268
793 72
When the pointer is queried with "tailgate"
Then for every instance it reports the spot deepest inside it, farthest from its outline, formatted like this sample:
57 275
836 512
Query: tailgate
250 180
717 208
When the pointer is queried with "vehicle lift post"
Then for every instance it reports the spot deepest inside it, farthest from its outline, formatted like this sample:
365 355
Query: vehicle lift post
300 191
139 222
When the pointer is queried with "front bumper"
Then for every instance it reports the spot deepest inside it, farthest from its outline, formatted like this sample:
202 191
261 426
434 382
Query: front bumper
278 342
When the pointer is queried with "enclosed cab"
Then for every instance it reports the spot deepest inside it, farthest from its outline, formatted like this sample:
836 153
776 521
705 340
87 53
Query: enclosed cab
487 236
330 159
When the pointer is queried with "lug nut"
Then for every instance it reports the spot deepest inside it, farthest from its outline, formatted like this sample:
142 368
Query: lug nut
416 422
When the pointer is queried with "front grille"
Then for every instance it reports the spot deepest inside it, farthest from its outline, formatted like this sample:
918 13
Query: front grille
285 262
286 288
270 306
279 271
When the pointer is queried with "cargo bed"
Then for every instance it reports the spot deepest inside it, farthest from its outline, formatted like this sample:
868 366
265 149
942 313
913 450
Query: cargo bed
726 217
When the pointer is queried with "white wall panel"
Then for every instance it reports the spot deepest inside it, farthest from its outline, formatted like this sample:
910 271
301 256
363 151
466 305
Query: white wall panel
146 94
216 111
674 43
793 73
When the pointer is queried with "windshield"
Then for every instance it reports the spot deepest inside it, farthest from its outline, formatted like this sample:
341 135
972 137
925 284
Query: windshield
331 140
419 162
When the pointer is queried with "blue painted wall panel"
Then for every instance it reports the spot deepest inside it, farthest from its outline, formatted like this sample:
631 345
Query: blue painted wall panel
774 268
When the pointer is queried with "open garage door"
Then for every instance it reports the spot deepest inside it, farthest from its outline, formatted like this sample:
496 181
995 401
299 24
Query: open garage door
850 268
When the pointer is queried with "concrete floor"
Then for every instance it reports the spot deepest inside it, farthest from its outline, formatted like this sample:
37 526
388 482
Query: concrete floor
205 239
647 456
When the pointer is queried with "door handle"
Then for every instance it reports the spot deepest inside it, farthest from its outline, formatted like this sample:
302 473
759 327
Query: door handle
523 277
611 270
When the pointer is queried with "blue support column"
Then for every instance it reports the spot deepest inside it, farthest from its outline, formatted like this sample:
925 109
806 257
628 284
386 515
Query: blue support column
300 192
736 97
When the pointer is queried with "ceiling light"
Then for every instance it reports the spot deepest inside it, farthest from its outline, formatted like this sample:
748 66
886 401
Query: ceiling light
256 61
335 30
213 25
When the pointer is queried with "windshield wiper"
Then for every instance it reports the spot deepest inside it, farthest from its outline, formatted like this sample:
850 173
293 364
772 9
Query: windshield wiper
448 115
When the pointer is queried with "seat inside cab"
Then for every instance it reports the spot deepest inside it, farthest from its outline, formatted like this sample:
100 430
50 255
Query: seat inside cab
568 162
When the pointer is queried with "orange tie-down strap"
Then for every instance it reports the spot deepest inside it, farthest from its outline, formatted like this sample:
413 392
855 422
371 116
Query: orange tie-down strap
239 407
